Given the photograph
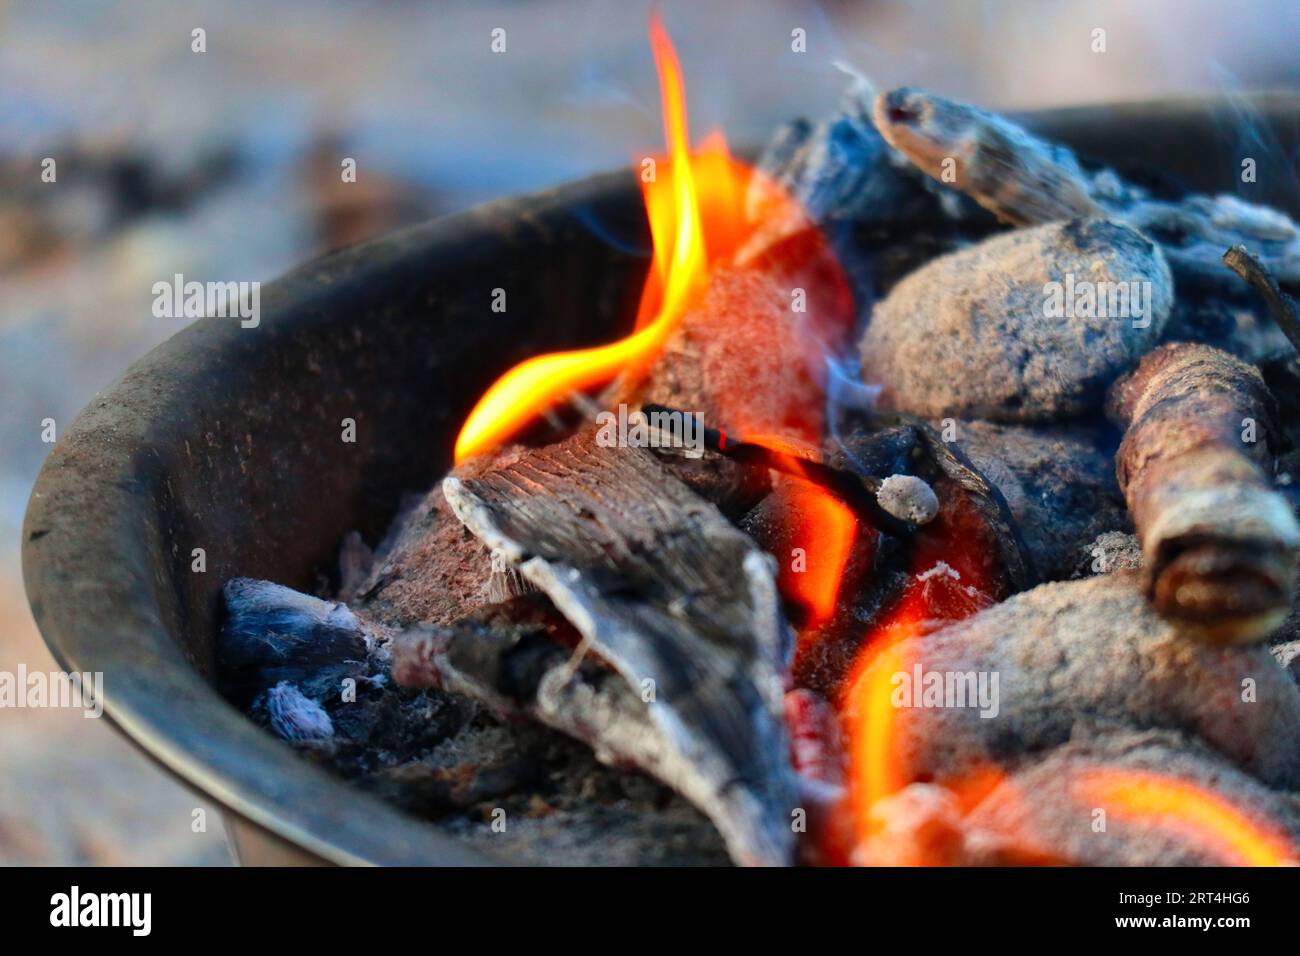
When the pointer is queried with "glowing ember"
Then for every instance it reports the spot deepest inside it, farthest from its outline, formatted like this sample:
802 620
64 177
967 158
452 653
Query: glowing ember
937 593
695 208
825 537
1193 814
823 530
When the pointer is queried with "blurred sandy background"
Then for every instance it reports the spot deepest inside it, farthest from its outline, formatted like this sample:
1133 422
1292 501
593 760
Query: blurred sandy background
224 166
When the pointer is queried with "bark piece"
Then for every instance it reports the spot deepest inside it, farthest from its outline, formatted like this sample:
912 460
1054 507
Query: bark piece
1017 176
976 333
1220 544
664 590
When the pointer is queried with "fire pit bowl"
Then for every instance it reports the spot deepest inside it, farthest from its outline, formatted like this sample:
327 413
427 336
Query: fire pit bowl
229 440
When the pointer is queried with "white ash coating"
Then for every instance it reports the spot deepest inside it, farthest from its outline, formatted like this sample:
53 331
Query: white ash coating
908 498
978 333
1113 551
295 716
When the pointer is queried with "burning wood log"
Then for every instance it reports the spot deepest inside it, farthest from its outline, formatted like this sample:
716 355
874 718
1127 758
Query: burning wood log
1067 661
1220 544
432 570
1026 182
750 356
1030 325
676 600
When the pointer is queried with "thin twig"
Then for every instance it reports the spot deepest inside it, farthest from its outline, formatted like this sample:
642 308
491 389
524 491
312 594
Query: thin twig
856 490
1280 305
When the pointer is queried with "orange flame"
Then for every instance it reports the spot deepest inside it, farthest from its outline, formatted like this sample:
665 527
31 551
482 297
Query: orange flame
1189 811
826 536
822 525
694 197
878 766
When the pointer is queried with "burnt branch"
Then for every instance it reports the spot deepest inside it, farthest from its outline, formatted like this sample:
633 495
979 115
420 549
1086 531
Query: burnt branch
1027 181
1280 305
896 507
1219 542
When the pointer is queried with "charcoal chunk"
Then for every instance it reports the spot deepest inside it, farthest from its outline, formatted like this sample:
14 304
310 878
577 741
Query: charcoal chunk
1003 330
1074 659
295 716
273 633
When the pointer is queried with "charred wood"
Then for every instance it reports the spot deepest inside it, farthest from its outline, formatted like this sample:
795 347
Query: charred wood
1195 465
672 597
1026 181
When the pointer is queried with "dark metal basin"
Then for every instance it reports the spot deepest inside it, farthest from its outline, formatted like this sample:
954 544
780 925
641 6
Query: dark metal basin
229 440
